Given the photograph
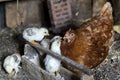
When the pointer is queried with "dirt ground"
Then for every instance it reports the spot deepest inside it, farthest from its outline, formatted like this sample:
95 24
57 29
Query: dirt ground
11 41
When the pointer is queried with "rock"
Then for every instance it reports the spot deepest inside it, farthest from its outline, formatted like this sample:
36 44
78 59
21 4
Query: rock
114 53
87 77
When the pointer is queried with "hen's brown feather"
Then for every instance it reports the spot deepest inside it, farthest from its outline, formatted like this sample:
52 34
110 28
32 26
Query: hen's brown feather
92 40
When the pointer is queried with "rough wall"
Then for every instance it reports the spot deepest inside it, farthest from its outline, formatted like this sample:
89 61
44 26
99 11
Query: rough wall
26 12
81 9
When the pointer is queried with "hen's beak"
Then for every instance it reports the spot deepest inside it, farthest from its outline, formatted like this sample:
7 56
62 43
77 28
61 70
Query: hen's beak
65 39
11 74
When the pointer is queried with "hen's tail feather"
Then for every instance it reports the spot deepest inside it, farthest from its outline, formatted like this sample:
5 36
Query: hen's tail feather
107 10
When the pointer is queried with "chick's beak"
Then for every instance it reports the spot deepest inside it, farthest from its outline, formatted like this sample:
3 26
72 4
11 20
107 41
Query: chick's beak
60 38
11 74
47 34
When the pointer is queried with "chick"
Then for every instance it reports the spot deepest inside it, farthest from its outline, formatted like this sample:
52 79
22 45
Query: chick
52 65
35 34
31 54
11 64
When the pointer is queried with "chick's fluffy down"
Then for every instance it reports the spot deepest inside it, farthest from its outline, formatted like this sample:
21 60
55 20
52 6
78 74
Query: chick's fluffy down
12 62
31 34
52 64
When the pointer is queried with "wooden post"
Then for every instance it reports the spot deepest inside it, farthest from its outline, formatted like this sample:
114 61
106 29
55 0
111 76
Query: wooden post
2 15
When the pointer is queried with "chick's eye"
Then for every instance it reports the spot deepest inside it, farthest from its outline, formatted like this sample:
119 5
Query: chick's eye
45 32
13 69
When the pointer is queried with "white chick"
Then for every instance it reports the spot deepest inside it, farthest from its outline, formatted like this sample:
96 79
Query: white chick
35 34
11 64
31 54
52 64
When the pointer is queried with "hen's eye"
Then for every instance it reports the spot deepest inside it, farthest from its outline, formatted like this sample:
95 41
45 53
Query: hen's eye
72 34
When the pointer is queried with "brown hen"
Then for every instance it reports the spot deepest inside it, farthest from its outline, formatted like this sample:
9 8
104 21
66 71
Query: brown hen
89 44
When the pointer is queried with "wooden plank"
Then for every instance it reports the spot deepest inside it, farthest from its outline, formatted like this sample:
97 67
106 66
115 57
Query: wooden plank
26 12
4 0
2 15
